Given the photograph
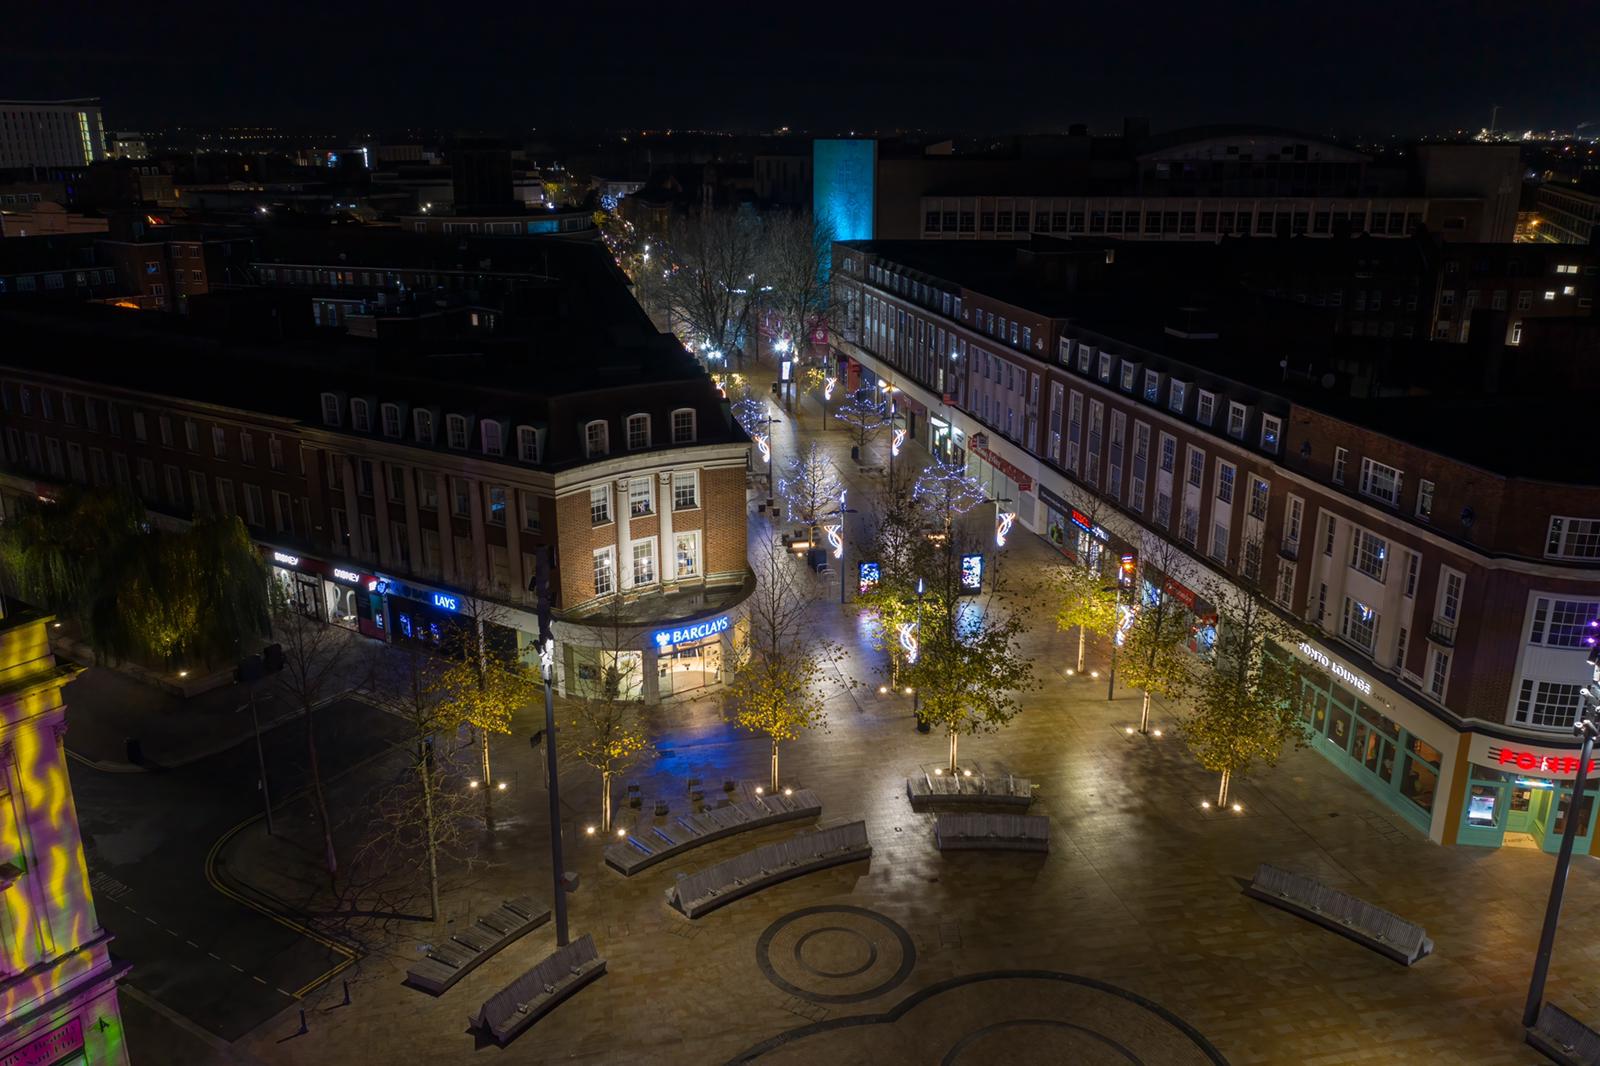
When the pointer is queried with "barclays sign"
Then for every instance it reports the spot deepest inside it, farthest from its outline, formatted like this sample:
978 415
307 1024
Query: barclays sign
666 638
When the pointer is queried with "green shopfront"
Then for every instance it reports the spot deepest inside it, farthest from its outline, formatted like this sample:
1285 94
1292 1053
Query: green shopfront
1520 795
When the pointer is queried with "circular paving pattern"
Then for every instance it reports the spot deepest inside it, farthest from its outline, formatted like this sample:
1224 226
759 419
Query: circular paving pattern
1037 1040
836 954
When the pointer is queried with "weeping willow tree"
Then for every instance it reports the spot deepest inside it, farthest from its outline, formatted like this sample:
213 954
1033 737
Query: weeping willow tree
135 591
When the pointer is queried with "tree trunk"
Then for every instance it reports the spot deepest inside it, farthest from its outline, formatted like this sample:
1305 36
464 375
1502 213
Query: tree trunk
1144 714
605 801
954 739
774 765
488 784
1080 649
1222 790
432 838
330 856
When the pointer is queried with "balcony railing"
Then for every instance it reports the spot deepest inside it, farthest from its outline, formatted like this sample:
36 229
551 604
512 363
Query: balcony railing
1442 632
1290 549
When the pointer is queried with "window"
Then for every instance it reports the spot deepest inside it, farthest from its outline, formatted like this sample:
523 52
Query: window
1169 453
1549 294
1573 538
641 496
166 431
199 495
282 512
1524 299
275 453
489 431
219 442
247 447
330 409
605 572
225 499
686 550
396 482
1190 530
139 432
1219 542
527 444
1205 411
1130 374
596 439
1197 466
1105 366
638 432
1413 566
685 491
1236 415
254 513
1451 583
1341 457
1152 385
47 404
1369 553
1551 704
1293 519
1258 498
1360 626
191 436
1380 482
599 505
1438 672
427 490
360 416
391 419
1562 623
460 497
1285 592
456 431
644 562
1226 472
1332 531
1271 432
422 426
25 397
530 510
497 504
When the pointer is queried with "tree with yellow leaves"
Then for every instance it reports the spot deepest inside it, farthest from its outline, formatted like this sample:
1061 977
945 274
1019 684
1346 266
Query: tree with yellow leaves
607 727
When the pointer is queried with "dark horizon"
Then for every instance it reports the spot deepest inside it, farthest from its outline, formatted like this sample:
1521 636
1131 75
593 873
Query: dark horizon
1364 70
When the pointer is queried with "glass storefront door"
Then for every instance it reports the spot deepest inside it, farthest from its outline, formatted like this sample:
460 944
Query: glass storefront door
1513 810
687 667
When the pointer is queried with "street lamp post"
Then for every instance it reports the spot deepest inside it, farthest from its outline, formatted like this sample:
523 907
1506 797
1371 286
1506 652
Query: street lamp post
916 691
547 670
1586 729
261 756
836 536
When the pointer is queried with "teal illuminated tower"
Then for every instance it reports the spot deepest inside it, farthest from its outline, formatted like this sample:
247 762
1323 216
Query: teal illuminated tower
844 183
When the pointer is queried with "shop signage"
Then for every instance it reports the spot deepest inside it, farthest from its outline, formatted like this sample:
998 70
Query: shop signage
666 638
1082 521
1180 592
286 559
870 574
446 601
971 573
980 444
1337 669
51 1047
1527 760
348 576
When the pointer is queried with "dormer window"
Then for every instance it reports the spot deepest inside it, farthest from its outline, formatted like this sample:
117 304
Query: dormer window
1206 411
1271 433
330 409
456 430
492 444
683 426
360 416
596 439
1236 420
527 444
638 432
390 412
1152 385
422 423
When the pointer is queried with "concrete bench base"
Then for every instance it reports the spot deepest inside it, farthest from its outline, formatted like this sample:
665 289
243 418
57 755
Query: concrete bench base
702 892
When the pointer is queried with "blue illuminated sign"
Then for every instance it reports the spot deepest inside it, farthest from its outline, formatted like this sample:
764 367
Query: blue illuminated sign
844 176
871 574
971 573
666 638
449 603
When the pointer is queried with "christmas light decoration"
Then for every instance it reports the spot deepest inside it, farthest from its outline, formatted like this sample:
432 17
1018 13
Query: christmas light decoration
1002 525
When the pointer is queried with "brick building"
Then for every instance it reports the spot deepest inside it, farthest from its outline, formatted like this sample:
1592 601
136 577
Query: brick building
395 484
1438 549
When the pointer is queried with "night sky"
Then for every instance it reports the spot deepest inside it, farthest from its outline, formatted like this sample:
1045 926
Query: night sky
1368 68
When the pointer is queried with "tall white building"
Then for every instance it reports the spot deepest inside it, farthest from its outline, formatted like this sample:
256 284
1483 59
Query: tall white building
51 133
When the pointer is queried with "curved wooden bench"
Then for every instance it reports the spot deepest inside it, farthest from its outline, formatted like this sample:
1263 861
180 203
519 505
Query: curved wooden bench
699 893
448 962
951 790
1388 934
992 832
533 995
646 846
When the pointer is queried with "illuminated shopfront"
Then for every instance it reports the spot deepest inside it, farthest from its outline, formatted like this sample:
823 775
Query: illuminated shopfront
690 657
649 662
1519 795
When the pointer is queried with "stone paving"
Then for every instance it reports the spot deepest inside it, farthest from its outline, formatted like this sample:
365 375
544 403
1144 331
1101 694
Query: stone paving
1129 942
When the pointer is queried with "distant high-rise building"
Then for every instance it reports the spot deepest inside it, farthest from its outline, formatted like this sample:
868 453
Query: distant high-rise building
481 174
51 133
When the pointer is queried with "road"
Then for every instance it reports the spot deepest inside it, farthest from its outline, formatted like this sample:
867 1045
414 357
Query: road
202 953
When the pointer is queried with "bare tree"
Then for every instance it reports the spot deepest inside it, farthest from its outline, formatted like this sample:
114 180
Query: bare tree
810 484
711 259
320 662
865 414
795 248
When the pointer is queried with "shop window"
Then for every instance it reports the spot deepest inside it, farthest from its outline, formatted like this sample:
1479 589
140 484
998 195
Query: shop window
1419 780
